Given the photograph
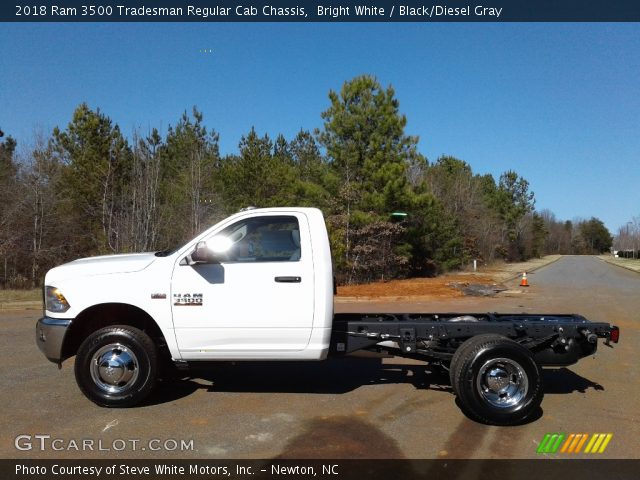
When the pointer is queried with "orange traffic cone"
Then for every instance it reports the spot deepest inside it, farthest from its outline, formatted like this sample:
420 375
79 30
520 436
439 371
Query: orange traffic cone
524 282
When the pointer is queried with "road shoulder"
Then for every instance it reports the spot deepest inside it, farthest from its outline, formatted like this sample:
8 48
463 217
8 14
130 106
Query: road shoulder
629 264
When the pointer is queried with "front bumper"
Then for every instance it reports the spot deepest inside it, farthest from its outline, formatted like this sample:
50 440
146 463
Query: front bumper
50 333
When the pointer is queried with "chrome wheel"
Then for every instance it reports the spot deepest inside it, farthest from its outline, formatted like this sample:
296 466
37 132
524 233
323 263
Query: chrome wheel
502 382
114 368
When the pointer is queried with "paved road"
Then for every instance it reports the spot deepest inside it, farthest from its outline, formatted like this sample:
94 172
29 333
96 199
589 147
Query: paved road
348 409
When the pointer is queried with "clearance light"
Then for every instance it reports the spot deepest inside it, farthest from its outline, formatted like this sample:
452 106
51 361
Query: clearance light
614 335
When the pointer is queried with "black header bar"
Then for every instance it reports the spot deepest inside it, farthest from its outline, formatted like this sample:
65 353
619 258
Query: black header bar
321 11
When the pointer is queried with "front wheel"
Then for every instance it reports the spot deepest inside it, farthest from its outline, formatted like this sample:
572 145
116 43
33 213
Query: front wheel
497 380
117 366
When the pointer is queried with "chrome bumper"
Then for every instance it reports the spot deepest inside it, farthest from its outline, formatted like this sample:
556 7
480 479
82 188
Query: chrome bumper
50 333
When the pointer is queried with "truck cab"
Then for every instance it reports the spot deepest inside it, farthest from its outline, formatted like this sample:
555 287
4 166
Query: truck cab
256 286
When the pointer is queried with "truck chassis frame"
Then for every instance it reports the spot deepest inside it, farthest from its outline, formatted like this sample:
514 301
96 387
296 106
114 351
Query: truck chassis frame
554 339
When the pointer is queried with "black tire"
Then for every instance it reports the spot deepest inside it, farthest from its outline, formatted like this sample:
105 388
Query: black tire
117 366
497 381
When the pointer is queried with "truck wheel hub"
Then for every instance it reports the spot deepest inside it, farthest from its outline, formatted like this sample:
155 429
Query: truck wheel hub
502 382
497 379
114 367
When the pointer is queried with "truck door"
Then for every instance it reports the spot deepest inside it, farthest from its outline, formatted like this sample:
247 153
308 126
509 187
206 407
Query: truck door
258 299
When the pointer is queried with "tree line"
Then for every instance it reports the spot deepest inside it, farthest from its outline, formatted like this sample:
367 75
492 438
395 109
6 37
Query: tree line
87 189
627 240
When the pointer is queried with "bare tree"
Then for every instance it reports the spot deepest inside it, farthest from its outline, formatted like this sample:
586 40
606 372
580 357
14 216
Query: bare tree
144 214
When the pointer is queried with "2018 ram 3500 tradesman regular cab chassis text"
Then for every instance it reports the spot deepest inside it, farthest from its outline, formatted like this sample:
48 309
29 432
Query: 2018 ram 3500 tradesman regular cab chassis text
259 286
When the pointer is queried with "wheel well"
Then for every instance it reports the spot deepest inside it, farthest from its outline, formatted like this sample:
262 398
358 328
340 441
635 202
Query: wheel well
104 315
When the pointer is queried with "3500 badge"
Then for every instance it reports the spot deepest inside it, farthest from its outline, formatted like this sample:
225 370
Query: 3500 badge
187 299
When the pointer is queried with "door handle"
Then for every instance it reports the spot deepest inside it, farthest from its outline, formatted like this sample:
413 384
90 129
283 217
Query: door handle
288 279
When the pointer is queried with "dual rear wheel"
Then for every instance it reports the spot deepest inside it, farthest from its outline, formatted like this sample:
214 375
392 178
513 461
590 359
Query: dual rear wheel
497 381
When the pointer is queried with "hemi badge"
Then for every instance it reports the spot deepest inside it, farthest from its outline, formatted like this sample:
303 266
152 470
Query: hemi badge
158 296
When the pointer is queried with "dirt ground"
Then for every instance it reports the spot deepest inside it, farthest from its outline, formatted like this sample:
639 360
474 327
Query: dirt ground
440 287
444 286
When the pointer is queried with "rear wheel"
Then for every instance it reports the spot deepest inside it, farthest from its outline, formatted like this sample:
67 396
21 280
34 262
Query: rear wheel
497 380
117 366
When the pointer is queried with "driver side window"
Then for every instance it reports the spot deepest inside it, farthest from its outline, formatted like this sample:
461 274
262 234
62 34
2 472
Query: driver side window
264 239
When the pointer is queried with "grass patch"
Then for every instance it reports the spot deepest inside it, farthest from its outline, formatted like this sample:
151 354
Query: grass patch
624 262
34 295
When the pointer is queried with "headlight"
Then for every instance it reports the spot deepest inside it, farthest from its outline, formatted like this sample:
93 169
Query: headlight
54 300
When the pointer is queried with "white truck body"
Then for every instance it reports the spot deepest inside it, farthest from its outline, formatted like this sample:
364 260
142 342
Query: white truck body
237 311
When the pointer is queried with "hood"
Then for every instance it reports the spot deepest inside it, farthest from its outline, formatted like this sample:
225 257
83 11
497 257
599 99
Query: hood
105 264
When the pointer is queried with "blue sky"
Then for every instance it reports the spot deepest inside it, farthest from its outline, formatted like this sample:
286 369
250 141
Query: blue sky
558 103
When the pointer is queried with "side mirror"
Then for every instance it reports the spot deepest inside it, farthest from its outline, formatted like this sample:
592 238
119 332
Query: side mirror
202 254
213 250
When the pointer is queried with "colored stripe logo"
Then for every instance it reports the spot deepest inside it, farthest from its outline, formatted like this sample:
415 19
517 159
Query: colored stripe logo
574 443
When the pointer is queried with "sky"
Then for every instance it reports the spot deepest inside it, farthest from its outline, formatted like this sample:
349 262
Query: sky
558 103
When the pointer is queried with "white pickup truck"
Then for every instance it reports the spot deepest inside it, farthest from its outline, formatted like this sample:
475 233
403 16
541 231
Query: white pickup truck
259 286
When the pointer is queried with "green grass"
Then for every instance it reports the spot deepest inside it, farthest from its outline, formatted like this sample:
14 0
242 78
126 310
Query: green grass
623 262
34 295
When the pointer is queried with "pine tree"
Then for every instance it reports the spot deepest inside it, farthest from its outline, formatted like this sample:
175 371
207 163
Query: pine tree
97 170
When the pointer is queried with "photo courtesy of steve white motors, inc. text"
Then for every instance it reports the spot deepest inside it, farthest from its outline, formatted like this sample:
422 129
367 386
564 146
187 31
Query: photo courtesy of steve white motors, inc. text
172 469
